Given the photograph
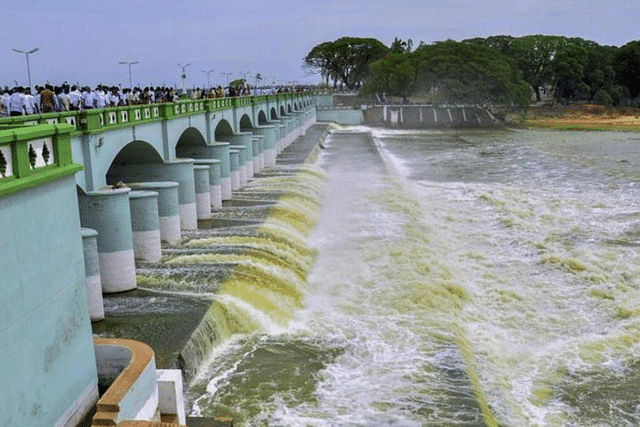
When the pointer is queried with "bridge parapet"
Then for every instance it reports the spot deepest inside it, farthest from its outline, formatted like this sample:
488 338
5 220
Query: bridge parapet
34 155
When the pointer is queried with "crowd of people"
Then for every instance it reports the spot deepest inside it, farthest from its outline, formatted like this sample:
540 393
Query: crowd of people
20 101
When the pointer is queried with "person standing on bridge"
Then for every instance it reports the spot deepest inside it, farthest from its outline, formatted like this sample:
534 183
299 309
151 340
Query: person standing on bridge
17 103
76 98
46 99
87 98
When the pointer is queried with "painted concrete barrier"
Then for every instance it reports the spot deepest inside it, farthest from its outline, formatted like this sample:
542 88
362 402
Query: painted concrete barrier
107 212
258 147
179 170
269 135
92 274
215 188
221 152
234 157
242 164
168 208
145 224
203 191
129 369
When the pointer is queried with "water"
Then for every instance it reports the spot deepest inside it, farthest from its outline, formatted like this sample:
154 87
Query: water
461 279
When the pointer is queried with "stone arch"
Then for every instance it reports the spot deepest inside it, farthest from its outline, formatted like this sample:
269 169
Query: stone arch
189 142
282 112
223 131
191 137
288 108
245 124
274 114
135 152
262 118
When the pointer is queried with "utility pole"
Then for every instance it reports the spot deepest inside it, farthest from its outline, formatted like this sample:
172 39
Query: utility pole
27 53
207 73
184 77
129 64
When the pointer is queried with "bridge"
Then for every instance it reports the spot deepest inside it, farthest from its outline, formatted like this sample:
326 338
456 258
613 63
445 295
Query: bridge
82 196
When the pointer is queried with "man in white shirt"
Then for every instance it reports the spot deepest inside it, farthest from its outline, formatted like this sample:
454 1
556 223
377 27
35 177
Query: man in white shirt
87 98
17 103
76 98
5 102
98 96
30 103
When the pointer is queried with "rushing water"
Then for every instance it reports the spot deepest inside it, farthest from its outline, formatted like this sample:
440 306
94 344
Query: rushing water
462 279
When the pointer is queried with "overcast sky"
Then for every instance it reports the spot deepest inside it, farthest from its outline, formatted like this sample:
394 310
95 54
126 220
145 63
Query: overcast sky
83 40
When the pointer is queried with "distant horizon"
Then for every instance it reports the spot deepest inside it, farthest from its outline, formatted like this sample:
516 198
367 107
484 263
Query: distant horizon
85 42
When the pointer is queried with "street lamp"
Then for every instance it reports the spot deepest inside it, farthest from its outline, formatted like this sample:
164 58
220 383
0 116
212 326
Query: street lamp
129 64
27 55
207 73
227 74
184 77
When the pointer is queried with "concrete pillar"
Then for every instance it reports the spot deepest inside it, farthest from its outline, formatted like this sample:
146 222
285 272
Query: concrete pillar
221 152
145 224
107 211
269 135
215 189
168 208
203 191
179 170
234 156
256 142
92 274
242 163
244 139
282 141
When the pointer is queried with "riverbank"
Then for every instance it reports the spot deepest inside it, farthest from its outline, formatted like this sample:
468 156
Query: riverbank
581 117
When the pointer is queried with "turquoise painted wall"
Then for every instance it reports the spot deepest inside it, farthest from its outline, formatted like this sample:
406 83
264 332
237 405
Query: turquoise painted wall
46 357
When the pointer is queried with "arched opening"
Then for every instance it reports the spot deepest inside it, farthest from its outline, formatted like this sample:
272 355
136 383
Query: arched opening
189 143
282 113
274 114
223 131
289 108
262 118
134 153
191 137
245 124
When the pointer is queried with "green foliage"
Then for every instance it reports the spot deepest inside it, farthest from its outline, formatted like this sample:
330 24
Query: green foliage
627 67
501 69
345 60
461 72
394 75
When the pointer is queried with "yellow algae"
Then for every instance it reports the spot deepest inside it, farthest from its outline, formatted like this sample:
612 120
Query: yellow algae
492 200
623 312
601 293
567 263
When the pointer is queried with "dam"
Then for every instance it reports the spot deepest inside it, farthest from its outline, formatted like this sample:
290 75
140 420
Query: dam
388 276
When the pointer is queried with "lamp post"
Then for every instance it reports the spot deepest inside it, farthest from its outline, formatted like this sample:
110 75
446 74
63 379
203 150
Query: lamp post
227 74
184 77
129 64
27 55
207 73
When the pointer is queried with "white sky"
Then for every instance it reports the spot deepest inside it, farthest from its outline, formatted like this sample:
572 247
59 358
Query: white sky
83 40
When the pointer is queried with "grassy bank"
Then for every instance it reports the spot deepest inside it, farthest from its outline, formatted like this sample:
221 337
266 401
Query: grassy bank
585 117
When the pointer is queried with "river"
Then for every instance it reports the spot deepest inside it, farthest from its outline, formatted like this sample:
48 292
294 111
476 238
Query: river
462 279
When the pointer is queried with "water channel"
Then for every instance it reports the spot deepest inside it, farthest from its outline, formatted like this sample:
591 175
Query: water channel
446 278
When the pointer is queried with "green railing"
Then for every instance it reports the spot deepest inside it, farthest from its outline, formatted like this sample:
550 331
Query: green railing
32 155
99 120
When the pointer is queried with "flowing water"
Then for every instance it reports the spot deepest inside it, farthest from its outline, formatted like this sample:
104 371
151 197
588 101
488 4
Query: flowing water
461 279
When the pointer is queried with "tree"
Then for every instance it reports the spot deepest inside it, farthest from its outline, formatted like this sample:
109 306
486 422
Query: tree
394 75
628 67
346 59
467 72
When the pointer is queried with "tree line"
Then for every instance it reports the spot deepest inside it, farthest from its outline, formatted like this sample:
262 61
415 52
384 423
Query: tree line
496 69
